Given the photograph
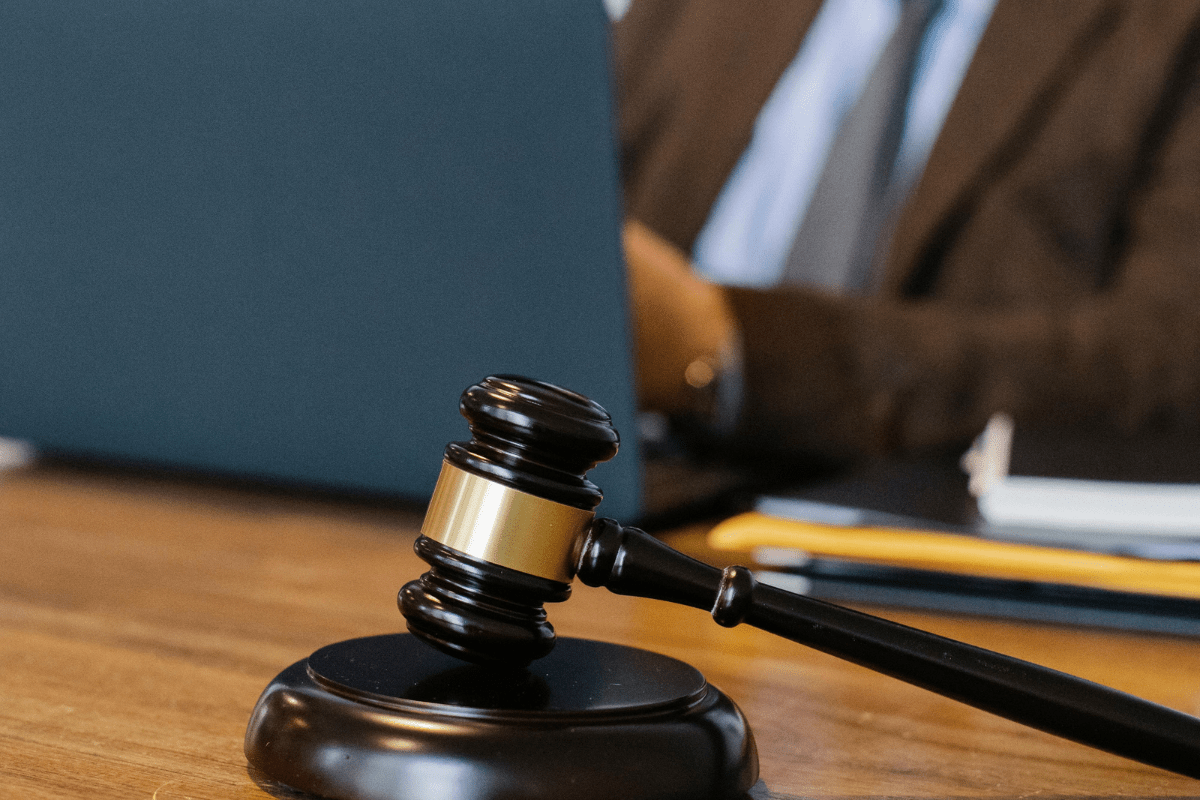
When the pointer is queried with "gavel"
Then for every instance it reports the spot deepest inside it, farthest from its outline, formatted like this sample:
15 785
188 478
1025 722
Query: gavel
511 523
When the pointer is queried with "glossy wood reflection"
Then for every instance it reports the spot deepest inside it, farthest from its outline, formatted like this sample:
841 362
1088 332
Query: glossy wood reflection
141 617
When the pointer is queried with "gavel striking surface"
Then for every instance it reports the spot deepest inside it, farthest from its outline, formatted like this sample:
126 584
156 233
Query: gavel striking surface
390 718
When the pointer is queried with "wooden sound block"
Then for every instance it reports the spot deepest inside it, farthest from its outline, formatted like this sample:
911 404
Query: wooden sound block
390 718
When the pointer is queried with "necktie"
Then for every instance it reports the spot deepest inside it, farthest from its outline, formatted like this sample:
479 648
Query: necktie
836 243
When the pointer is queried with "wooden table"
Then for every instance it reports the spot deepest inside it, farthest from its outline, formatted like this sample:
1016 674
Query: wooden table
140 617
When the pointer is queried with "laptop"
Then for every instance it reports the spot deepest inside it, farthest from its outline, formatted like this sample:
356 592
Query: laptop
276 239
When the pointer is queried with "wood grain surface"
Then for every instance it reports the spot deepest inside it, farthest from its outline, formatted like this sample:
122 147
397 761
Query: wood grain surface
141 616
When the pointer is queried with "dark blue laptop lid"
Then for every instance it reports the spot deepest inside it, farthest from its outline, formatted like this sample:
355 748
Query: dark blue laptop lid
277 238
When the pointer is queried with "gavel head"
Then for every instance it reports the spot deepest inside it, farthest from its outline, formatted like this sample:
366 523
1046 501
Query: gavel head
505 520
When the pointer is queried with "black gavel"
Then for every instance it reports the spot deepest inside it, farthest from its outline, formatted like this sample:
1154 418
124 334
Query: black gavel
511 523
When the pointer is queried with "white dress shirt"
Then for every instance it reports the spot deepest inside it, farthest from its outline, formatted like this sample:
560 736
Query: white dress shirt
749 231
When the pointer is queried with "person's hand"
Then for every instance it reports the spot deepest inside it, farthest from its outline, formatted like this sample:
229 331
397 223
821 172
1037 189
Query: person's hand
681 322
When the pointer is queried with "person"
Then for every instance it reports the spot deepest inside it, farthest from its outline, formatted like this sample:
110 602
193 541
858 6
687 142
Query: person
1045 263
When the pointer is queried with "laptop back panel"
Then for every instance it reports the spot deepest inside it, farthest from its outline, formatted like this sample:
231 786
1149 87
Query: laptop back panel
277 238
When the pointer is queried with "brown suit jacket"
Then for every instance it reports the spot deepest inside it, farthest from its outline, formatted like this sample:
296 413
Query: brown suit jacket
1048 262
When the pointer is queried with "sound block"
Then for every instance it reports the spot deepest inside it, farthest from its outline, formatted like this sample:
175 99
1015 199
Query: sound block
390 718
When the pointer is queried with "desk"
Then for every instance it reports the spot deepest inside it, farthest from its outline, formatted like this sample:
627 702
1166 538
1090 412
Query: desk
140 617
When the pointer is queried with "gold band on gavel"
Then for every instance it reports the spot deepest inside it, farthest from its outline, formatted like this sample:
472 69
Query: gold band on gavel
504 526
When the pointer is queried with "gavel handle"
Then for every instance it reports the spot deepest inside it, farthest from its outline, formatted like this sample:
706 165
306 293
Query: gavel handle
630 561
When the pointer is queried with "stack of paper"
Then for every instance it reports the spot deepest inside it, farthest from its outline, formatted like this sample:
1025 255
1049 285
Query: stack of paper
1158 508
